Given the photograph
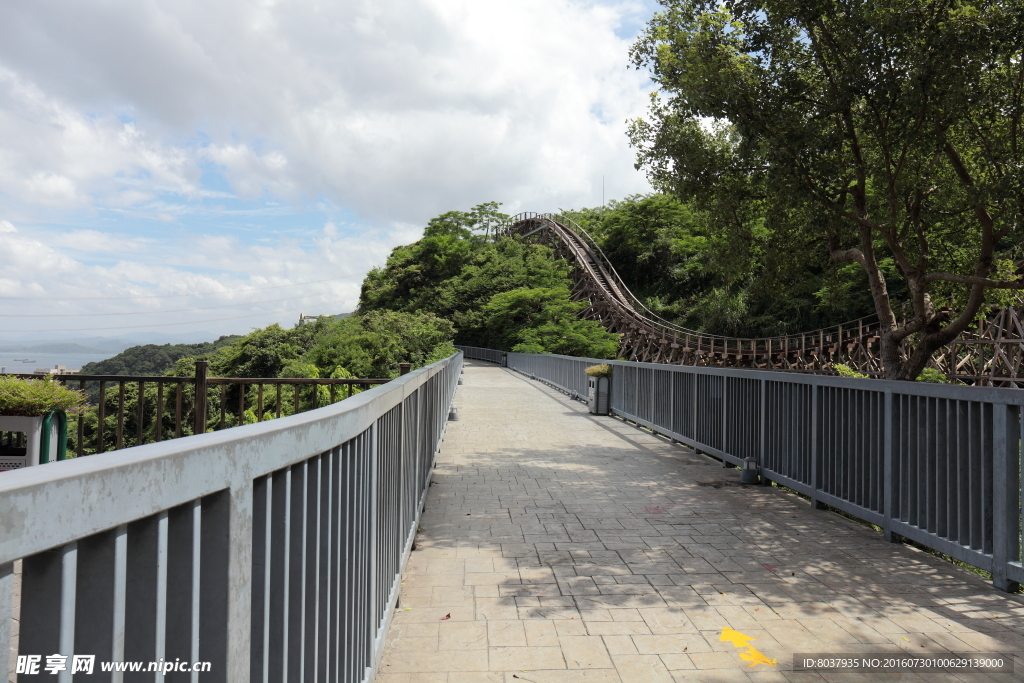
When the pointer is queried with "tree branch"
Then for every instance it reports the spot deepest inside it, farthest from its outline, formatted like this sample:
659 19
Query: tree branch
974 280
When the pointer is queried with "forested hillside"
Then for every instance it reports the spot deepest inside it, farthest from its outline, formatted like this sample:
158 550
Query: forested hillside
675 258
508 294
152 359
370 345
501 294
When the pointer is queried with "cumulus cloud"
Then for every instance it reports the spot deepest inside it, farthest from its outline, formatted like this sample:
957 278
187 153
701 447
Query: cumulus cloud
150 284
395 108
385 111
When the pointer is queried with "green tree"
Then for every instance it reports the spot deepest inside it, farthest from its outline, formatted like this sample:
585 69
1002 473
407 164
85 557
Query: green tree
544 320
152 359
456 271
372 344
450 243
672 256
886 133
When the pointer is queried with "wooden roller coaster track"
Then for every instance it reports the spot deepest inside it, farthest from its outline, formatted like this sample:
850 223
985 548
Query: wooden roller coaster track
991 355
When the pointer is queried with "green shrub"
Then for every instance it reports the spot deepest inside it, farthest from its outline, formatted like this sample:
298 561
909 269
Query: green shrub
603 370
36 397
932 375
847 371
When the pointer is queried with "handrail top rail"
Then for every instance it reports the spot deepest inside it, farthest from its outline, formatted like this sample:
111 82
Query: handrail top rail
209 379
1000 395
84 496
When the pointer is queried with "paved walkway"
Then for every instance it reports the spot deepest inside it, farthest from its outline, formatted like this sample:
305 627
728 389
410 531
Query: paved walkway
558 547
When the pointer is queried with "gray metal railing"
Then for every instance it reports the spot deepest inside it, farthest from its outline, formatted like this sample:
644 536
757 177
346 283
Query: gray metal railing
477 353
273 551
937 464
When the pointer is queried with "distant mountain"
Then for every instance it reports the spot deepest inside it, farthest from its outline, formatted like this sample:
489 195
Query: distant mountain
53 347
152 359
104 344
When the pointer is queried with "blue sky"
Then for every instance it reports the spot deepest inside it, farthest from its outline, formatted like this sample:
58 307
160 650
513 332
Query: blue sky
249 162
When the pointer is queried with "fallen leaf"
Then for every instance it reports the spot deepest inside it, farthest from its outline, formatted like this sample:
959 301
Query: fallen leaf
906 639
769 567
447 616
756 608
686 648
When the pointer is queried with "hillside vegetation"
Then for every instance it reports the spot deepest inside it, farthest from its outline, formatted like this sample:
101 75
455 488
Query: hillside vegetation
678 261
152 359
501 294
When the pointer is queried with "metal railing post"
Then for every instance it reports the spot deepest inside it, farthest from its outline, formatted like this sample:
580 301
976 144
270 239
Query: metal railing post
762 451
815 447
725 420
888 473
199 425
1005 494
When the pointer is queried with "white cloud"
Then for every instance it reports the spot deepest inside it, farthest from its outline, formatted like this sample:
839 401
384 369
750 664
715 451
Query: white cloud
53 155
397 109
266 283
387 112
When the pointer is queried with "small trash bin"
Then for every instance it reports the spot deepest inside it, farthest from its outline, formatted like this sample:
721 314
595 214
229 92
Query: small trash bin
597 395
44 439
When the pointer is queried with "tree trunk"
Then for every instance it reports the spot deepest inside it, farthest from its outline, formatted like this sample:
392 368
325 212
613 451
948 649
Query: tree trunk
892 363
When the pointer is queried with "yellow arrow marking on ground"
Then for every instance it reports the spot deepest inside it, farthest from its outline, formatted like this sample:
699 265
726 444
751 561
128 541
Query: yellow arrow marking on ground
748 654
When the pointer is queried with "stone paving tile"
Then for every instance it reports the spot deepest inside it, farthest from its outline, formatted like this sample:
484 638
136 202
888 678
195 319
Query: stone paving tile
570 548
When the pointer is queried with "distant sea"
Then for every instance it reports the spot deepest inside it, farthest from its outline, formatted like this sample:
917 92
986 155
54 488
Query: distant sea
73 361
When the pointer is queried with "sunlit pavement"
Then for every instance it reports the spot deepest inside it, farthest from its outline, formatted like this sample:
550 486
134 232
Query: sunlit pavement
559 547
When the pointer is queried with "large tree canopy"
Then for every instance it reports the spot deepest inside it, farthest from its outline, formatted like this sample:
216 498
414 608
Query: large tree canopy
886 132
499 293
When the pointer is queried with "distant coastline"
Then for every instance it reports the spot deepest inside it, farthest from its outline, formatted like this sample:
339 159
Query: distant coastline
55 347
18 362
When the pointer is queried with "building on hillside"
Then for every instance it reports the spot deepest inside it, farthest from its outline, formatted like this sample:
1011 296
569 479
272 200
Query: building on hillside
57 370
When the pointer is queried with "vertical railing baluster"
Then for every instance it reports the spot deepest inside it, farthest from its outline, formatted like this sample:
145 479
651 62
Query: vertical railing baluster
177 411
120 597
68 593
197 544
201 399
762 445
120 415
286 578
1006 503
223 403
160 615
158 428
140 413
816 438
80 426
7 606
889 474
